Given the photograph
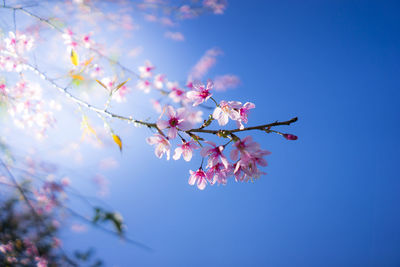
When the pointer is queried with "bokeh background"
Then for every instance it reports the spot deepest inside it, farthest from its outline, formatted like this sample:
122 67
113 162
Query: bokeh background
330 198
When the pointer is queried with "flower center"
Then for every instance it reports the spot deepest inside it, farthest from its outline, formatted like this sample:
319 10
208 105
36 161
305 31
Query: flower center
173 122
204 94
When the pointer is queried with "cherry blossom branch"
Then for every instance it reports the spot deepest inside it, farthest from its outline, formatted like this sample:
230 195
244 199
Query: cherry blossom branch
55 27
149 124
228 132
178 121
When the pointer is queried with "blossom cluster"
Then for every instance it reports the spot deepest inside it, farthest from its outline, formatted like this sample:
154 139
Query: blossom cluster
50 194
246 155
27 107
23 253
12 51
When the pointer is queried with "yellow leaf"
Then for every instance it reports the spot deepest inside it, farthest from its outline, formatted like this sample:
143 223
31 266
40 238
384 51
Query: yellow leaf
74 57
120 85
118 141
87 128
102 84
87 62
77 77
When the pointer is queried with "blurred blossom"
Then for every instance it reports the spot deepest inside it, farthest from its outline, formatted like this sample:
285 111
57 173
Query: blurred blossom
102 184
217 6
159 81
225 82
146 70
78 228
156 105
167 22
206 62
176 36
135 51
108 163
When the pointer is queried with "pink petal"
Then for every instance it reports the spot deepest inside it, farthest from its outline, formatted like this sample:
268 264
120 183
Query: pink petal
217 113
177 154
162 124
234 154
187 154
192 178
170 111
172 133
201 184
223 119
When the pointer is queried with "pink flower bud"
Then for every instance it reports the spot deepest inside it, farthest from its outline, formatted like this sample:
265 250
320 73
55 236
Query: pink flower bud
290 136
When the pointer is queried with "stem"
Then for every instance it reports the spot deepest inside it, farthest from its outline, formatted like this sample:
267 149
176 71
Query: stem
216 103
260 127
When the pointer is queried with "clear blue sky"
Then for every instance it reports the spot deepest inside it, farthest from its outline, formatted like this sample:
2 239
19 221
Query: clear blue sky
330 198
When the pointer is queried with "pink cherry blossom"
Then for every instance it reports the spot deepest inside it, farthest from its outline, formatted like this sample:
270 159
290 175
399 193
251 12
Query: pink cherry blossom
214 154
4 248
199 177
96 71
146 70
186 150
3 89
176 120
17 43
189 85
219 174
162 145
159 81
30 247
226 110
200 92
144 85
41 262
244 112
246 147
120 94
87 40
177 94
69 40
156 105
246 168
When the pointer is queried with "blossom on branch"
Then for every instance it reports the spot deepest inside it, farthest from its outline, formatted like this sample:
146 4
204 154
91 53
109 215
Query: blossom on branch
200 92
176 120
162 145
186 150
199 177
227 110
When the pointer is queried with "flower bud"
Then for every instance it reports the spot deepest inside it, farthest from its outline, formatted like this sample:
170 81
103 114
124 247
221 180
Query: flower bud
290 136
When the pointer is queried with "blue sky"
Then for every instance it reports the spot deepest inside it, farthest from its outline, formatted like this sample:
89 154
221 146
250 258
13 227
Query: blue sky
330 198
